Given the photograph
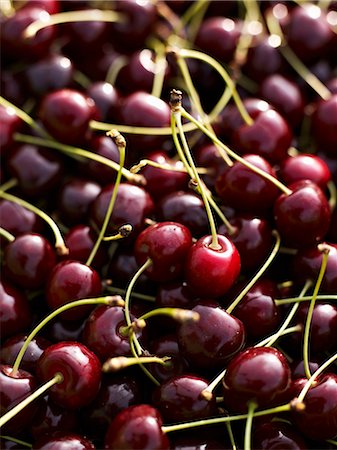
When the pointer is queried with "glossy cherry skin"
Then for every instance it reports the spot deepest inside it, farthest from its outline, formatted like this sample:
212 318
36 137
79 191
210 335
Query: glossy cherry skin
9 124
277 435
257 374
28 260
269 136
69 281
324 124
66 114
102 146
302 217
36 169
180 399
212 340
81 371
15 312
167 245
123 266
209 272
138 427
208 156
106 98
102 332
18 220
305 167
63 442
133 205
319 419
307 264
13 389
241 188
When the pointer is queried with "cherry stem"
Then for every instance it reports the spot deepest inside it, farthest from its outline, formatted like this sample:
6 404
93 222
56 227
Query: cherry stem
17 441
332 194
87 15
123 232
6 234
114 69
287 301
213 384
122 362
175 103
76 151
231 435
313 377
269 340
249 422
218 420
160 68
215 139
9 184
57 378
189 14
60 245
121 144
325 256
149 298
129 129
24 117
258 275
107 300
286 322
291 57
179 314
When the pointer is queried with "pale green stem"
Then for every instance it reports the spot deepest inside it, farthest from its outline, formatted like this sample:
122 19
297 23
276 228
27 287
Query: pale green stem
248 429
267 342
17 441
287 301
129 129
9 184
231 435
7 235
149 298
159 72
332 195
114 70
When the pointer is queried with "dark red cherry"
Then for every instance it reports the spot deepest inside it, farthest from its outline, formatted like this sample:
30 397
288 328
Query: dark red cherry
307 264
180 399
64 330
69 281
123 266
324 124
138 427
49 74
218 36
18 220
36 169
81 371
66 114
28 260
11 347
208 156
13 389
252 237
277 435
285 96
103 334
302 217
15 312
211 272
133 205
257 374
269 136
305 167
141 109
85 37
75 198
9 124
167 245
212 340
106 98
102 146
241 188
318 420
63 442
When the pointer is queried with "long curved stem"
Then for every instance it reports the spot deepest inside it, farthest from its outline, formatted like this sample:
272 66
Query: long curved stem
249 422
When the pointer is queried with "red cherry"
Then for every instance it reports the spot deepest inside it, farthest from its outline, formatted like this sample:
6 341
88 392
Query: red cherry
324 124
281 435
64 441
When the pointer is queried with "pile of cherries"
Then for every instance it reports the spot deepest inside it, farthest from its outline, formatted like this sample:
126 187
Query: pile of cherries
168 224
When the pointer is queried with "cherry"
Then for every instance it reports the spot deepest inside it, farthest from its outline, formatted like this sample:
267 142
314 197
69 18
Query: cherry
133 205
305 167
243 189
11 347
66 114
62 442
211 272
80 369
106 98
218 37
9 124
13 389
297 368
36 169
103 334
63 330
318 420
16 315
167 245
324 124
49 74
211 341
269 136
258 374
180 399
302 218
272 435
208 156
51 6
75 197
69 281
28 260
186 208
138 427
18 220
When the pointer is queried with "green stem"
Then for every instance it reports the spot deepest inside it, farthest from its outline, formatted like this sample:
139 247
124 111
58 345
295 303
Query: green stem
9 184
332 195
248 429
129 129
149 298
178 314
114 70
7 235
286 301
258 275
17 441
159 72
325 256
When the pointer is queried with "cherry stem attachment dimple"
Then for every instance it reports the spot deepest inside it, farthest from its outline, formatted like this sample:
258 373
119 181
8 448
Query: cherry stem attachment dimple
57 378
